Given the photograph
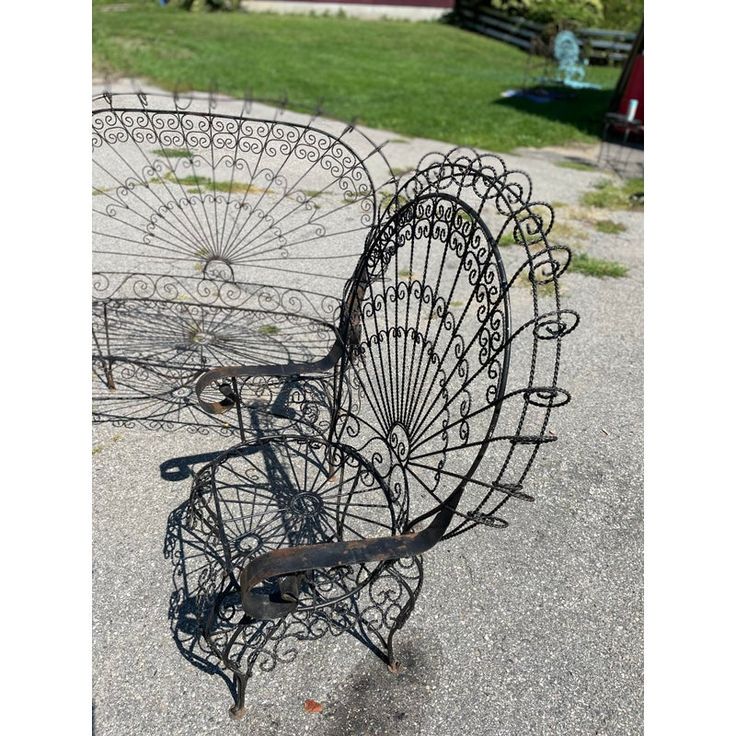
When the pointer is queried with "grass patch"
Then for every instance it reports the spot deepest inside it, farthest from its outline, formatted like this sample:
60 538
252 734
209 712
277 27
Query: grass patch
596 267
576 165
96 449
613 196
507 240
188 181
268 330
465 216
387 198
394 75
311 195
172 152
546 291
196 183
566 231
234 187
609 226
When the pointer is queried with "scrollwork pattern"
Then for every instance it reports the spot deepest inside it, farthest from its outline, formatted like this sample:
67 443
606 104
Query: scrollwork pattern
179 181
154 334
369 600
431 383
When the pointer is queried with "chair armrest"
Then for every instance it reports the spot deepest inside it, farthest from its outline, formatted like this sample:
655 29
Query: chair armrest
288 369
291 560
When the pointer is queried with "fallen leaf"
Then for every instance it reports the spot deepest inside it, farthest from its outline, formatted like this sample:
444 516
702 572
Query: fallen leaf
312 706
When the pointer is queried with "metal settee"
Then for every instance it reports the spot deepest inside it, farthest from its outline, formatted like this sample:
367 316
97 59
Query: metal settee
224 233
439 406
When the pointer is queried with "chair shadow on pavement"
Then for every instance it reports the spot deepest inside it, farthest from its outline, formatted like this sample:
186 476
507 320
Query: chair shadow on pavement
382 702
181 468
190 561
183 621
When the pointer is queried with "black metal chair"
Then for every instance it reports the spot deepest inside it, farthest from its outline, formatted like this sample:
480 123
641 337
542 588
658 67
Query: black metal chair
223 233
440 409
621 137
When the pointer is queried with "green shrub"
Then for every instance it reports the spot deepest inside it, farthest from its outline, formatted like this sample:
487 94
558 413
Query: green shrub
623 15
585 13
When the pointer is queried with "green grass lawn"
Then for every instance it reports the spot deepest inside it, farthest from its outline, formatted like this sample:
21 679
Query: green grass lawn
418 79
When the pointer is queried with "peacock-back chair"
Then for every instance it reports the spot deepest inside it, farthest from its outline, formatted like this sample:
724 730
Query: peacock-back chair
441 407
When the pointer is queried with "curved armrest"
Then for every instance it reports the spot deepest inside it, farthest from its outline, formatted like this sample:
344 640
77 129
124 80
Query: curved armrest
290 560
288 369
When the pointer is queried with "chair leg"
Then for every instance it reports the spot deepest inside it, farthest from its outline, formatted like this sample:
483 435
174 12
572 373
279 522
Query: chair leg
237 711
403 617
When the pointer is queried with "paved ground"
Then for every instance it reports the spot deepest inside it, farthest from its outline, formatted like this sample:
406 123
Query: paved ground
534 630
367 11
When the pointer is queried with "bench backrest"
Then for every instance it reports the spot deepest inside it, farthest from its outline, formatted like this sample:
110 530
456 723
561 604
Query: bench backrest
231 191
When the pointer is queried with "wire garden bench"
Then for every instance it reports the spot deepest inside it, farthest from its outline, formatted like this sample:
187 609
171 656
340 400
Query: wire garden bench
438 407
224 233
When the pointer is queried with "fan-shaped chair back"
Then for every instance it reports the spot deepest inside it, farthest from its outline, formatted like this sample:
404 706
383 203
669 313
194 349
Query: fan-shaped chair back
442 391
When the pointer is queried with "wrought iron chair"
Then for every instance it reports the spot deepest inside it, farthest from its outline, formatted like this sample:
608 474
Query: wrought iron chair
441 408
223 233
571 65
555 63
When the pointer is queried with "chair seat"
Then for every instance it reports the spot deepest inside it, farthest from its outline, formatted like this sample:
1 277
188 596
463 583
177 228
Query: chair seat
281 492
186 335
289 491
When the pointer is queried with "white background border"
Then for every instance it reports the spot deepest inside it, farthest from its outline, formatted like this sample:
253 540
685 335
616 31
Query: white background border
690 359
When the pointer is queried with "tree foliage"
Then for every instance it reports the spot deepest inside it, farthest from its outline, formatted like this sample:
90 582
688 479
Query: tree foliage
614 14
